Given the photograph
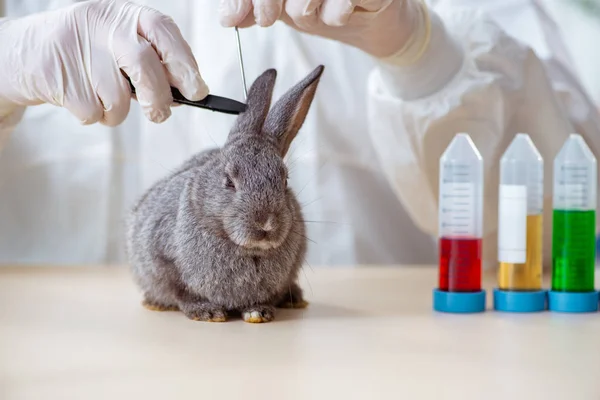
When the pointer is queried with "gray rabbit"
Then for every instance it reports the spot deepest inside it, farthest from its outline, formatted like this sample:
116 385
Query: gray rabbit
224 233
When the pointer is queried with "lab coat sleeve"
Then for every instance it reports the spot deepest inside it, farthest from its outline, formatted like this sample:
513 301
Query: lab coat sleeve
472 78
10 114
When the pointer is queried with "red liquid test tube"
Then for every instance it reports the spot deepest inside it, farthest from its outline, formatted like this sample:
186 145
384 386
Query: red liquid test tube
460 229
460 265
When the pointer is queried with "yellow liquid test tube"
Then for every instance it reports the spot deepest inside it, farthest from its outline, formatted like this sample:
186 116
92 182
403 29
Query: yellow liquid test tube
527 275
520 228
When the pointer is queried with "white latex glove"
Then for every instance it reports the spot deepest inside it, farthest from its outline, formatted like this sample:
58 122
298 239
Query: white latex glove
381 28
73 58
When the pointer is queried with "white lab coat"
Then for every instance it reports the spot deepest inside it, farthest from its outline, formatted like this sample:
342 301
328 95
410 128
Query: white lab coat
364 165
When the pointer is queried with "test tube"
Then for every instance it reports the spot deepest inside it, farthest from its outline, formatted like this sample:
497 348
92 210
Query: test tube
520 234
574 228
460 228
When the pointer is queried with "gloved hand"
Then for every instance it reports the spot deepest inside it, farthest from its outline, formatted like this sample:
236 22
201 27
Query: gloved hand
73 58
379 27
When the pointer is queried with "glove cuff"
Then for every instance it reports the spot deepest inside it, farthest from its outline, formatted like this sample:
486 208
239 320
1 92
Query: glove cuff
419 40
427 62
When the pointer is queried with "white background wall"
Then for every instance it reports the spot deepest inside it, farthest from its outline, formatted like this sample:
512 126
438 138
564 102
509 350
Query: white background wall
580 29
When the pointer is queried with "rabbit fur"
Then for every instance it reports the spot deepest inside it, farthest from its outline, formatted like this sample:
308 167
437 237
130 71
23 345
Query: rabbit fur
224 233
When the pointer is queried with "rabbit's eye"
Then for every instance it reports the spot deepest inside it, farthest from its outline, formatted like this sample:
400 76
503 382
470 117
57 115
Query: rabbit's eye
229 183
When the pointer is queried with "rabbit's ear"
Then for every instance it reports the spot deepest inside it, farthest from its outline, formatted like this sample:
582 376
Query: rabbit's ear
287 115
258 103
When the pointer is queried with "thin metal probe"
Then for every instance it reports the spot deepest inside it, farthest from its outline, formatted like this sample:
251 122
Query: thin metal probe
239 45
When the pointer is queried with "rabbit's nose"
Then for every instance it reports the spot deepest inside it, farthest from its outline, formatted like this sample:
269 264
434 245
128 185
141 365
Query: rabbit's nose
267 224
260 235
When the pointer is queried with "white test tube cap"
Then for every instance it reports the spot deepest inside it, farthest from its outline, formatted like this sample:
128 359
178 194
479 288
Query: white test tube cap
521 149
522 169
461 189
461 148
576 151
575 172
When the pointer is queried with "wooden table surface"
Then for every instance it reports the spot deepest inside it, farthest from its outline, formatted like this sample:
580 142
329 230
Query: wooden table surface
369 333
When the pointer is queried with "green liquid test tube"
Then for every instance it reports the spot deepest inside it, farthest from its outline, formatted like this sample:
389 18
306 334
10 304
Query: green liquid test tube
574 228
573 250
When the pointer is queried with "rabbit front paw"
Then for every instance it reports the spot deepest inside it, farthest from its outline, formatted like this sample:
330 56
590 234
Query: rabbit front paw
258 314
292 298
158 306
205 312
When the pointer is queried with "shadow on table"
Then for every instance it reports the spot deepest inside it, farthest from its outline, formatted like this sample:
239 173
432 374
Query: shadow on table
321 311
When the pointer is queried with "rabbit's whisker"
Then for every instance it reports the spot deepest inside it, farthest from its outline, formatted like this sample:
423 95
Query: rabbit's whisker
291 164
311 178
294 148
310 266
304 236
306 277
317 222
310 202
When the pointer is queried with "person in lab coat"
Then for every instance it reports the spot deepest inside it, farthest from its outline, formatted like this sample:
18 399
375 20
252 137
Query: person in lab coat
402 77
